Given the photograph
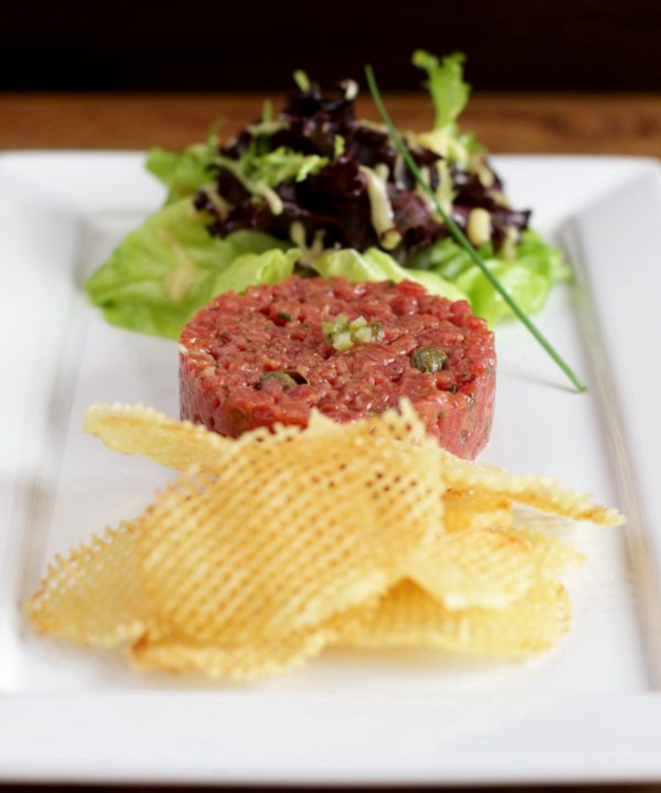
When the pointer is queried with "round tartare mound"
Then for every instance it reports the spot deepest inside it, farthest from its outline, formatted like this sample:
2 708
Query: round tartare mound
268 357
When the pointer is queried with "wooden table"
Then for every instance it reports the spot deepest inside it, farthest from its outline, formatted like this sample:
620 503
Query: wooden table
524 123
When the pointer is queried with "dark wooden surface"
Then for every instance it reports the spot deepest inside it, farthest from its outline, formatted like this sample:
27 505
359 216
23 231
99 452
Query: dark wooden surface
520 123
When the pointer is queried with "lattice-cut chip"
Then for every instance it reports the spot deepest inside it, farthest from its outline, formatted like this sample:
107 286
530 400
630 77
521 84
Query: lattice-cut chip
144 431
270 547
488 568
95 596
409 616
471 509
246 550
240 663
543 493
483 568
136 429
268 655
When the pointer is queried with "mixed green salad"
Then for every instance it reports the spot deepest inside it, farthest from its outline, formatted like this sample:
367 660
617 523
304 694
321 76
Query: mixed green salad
315 192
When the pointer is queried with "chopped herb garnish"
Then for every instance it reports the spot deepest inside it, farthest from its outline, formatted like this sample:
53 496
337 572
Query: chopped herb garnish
342 334
460 237
284 315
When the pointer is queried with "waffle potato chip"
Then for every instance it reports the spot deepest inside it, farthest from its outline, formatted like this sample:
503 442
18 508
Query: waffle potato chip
410 616
473 509
95 596
141 430
144 431
270 654
541 492
481 568
269 548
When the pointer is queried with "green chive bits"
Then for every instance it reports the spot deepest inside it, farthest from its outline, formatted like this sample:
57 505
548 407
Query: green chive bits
429 359
342 334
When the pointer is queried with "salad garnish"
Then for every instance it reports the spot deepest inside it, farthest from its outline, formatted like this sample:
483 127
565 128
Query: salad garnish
313 190
461 238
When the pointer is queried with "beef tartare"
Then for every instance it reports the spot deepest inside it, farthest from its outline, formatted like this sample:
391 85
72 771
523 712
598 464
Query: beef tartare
349 350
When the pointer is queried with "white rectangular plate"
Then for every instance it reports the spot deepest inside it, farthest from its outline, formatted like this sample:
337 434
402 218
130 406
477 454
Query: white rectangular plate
590 711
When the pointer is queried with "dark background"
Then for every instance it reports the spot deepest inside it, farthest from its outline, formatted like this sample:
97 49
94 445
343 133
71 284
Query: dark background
541 45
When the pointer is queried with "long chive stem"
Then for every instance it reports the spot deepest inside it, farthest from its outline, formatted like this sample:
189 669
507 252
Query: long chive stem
461 239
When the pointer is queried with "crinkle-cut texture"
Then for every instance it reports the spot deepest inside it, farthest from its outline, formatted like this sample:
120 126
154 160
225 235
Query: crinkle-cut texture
480 568
241 663
143 431
471 509
541 492
410 616
95 596
271 547
268 655
246 550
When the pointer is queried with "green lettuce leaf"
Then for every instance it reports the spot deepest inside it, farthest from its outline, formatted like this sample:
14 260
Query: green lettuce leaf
376 265
254 269
445 81
528 275
167 269
184 172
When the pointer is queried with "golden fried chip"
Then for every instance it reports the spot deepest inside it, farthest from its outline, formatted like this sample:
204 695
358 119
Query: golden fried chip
144 431
242 551
136 429
241 663
247 550
274 545
470 509
409 616
267 655
542 492
482 568
95 596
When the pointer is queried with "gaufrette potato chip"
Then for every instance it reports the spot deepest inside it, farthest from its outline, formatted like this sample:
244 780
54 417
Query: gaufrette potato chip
541 492
141 430
473 509
96 595
269 548
478 568
267 655
266 555
410 617
146 432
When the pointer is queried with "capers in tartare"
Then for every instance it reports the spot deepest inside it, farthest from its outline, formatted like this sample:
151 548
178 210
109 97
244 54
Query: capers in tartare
429 359
288 378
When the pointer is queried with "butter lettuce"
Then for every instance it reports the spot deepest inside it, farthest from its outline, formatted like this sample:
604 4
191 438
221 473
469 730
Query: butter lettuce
376 265
169 267
528 275
184 172
254 269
